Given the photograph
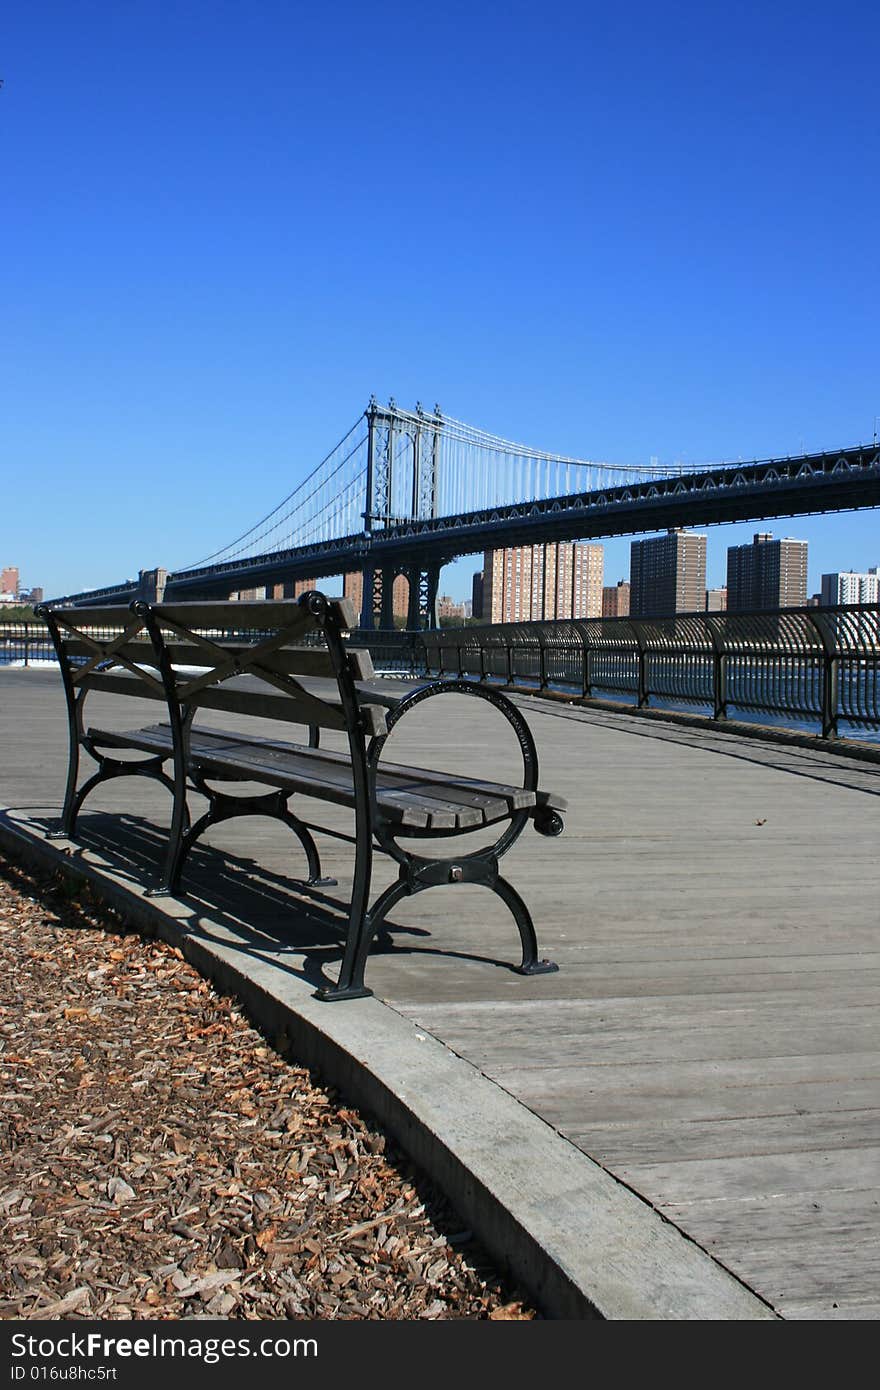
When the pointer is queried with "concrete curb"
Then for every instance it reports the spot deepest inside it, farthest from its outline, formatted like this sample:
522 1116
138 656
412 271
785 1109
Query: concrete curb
581 1243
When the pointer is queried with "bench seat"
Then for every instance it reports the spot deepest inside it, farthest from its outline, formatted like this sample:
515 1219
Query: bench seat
412 798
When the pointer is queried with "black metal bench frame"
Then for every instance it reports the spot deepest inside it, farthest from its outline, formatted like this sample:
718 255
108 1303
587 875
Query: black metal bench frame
113 665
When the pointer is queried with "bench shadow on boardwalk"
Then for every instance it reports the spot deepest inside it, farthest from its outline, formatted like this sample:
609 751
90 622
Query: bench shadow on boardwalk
300 928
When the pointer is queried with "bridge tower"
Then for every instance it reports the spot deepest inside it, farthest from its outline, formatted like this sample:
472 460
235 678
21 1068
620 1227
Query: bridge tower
403 457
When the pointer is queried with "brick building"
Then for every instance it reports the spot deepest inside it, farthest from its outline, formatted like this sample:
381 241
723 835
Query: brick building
531 583
668 574
767 573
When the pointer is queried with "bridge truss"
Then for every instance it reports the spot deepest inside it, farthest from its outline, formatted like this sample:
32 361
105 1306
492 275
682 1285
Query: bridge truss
406 491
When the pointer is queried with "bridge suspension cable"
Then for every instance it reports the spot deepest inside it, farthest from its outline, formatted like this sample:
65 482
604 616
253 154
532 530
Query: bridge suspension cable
477 469
427 465
333 490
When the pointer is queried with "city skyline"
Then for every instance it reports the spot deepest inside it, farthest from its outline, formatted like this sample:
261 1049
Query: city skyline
792 588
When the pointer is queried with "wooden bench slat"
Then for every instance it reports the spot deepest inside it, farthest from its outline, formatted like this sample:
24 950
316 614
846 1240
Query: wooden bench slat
467 791
403 795
117 682
313 662
258 614
112 615
305 772
251 696
517 798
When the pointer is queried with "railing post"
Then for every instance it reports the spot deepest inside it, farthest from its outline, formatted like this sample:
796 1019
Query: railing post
587 653
643 695
830 691
542 672
26 642
830 674
720 684
719 669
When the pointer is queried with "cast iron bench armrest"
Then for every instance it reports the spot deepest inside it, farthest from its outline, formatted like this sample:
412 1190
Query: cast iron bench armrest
543 807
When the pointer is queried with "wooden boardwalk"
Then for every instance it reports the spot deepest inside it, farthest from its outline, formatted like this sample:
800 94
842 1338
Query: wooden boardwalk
712 1037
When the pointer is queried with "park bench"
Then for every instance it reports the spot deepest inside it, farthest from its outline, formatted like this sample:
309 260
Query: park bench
289 661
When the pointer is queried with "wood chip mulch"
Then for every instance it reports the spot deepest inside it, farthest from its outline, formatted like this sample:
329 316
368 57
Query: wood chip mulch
158 1159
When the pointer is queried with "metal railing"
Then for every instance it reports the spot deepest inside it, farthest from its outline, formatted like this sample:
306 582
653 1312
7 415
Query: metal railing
396 652
814 665
25 643
818 665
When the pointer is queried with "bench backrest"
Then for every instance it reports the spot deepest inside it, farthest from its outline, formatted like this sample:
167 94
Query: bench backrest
251 658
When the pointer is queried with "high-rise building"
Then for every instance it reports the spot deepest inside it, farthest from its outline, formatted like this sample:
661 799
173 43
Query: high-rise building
668 574
716 600
767 573
849 586
477 595
615 600
9 580
530 583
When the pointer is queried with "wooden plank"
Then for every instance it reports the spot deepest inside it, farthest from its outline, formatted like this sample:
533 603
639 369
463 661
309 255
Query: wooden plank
141 740
642 1140
112 615
752 1177
348 614
296 661
312 777
468 790
575 1100
248 695
612 1035
216 757
311 771
240 695
116 682
410 804
493 802
139 649
259 614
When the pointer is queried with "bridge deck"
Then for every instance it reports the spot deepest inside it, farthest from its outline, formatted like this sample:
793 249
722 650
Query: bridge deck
712 1037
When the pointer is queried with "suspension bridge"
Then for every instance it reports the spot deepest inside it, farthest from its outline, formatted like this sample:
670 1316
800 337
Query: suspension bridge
404 492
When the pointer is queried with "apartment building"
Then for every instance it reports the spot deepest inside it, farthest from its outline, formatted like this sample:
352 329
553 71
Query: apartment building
615 600
668 574
531 583
850 586
767 574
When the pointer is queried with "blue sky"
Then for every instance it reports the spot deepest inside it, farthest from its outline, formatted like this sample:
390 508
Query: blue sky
610 233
